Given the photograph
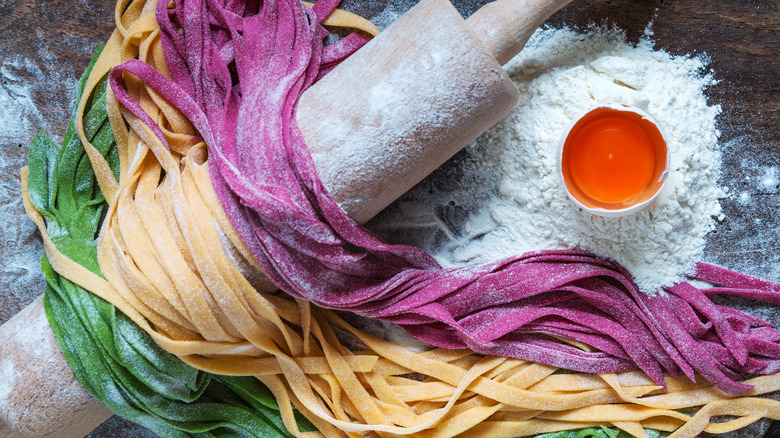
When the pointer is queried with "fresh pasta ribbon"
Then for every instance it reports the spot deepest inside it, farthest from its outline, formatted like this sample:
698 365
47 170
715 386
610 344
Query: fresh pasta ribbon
172 259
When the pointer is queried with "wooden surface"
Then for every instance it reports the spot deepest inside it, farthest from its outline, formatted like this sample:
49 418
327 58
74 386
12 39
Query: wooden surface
47 44
45 392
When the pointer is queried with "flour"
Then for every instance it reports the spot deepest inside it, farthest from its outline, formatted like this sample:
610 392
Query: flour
7 377
503 196
769 181
28 84
20 271
28 88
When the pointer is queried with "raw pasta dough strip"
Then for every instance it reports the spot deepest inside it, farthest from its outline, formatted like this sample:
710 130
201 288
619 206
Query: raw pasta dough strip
719 407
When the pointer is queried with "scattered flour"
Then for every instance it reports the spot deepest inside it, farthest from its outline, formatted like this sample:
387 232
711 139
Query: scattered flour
749 238
387 16
503 196
18 110
769 181
20 270
28 86
7 377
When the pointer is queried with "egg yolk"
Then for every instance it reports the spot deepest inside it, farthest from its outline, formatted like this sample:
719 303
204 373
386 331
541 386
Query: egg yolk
611 159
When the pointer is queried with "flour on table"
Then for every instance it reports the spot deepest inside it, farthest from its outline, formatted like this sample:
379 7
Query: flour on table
502 196
27 85
7 377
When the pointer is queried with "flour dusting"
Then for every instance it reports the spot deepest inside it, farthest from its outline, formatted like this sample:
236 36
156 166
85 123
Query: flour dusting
27 86
7 378
20 271
503 196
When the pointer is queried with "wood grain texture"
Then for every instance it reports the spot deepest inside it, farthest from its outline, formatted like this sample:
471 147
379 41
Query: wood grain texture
741 38
45 391
505 26
412 94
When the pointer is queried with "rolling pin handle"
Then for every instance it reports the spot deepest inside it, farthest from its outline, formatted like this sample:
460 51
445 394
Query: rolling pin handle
504 26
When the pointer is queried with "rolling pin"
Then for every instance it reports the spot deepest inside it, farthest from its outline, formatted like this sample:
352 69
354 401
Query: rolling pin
376 125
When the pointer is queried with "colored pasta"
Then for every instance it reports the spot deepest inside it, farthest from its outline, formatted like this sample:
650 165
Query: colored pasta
173 261
264 178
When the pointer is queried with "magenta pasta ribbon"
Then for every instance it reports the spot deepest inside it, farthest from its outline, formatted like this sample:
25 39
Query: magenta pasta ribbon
238 71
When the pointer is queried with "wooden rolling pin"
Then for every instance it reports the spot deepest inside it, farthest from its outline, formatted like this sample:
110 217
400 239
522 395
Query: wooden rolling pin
376 125
413 97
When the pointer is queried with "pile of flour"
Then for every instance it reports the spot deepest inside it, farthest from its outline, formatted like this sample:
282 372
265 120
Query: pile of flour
502 196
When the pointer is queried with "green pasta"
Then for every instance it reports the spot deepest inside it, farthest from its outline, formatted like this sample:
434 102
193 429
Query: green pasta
599 432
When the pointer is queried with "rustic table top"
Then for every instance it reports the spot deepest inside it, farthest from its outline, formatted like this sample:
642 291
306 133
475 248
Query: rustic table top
46 45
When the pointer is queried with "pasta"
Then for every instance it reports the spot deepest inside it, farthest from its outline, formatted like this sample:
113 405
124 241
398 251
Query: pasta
265 180
172 261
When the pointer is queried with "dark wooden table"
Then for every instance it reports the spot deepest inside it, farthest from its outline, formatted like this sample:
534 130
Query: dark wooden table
46 45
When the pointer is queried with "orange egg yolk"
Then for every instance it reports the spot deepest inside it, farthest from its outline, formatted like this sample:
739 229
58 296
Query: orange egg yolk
611 159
